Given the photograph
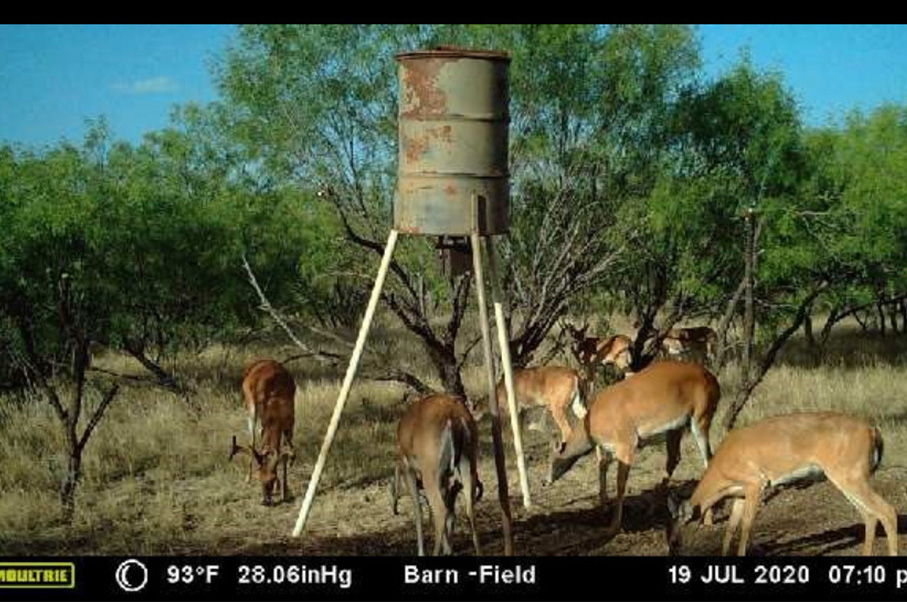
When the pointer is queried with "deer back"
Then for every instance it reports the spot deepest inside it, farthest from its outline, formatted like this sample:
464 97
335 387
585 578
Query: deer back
271 389
435 432
663 394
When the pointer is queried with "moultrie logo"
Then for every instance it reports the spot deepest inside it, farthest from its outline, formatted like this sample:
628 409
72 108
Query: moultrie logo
37 575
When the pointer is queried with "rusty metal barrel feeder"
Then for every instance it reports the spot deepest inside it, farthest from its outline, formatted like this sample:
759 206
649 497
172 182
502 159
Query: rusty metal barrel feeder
452 183
453 177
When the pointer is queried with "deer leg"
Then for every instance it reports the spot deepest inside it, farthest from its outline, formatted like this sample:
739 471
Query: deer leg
449 524
470 490
290 458
251 421
417 509
284 490
438 513
700 426
623 471
604 461
450 502
559 414
750 507
873 508
732 524
288 438
673 444
871 521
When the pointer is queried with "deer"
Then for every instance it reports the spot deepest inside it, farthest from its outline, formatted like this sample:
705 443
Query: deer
269 392
698 341
591 352
556 388
437 452
667 398
782 450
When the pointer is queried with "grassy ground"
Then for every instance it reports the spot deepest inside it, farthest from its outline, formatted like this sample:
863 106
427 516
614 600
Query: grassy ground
157 478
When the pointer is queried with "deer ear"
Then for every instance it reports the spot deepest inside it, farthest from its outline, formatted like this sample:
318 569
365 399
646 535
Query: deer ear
236 449
244 449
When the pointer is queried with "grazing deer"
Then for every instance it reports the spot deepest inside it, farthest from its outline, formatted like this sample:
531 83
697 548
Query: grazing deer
666 397
591 352
437 449
786 449
699 342
269 393
556 388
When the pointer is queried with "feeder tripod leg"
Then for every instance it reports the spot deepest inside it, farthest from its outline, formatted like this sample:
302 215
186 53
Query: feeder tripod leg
499 462
347 383
497 299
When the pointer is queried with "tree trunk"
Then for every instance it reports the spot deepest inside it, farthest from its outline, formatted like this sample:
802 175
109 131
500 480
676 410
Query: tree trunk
880 308
164 378
893 318
449 370
749 317
768 361
73 474
808 333
725 323
814 349
829 324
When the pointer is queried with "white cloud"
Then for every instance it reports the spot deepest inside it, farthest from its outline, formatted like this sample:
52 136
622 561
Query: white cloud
155 85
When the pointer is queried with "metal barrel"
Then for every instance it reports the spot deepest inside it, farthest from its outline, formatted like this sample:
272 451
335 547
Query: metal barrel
452 173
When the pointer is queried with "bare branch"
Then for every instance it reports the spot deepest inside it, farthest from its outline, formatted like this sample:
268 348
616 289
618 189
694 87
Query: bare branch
401 376
120 375
375 246
31 364
267 307
97 415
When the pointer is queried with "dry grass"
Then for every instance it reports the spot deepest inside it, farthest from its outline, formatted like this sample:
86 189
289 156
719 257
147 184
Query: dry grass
157 478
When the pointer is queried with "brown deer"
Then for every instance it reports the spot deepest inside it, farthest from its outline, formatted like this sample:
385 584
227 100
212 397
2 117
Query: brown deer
592 352
556 388
665 398
437 450
698 342
786 449
268 393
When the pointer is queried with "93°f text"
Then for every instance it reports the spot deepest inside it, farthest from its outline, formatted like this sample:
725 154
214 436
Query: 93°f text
485 574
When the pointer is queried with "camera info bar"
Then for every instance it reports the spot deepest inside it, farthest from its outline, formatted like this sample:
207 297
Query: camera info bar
460 578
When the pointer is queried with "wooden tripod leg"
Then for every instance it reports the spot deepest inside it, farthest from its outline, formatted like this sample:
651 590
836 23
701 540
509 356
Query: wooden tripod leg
347 383
497 298
499 463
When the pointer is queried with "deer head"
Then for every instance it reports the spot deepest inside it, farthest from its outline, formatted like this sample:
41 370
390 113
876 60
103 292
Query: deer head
266 467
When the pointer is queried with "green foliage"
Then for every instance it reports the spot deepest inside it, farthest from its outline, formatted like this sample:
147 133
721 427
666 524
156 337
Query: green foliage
143 245
616 145
854 207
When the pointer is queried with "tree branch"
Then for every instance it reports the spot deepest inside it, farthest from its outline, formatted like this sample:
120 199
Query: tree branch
97 415
267 307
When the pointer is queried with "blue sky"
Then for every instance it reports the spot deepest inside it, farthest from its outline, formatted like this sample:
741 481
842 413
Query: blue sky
54 77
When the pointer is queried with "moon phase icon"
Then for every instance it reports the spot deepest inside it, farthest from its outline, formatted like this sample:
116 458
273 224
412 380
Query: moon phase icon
122 575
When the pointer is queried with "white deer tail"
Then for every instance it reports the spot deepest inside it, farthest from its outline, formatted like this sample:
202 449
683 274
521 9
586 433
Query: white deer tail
577 405
447 454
